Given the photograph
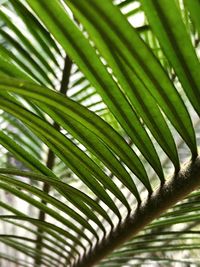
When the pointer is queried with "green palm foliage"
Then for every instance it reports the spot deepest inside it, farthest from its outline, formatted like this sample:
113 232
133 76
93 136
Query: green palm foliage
99 116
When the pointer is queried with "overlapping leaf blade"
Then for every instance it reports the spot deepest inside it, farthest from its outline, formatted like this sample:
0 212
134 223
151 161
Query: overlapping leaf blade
67 33
136 54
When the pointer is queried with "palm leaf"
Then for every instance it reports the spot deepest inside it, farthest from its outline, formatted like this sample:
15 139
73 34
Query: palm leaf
99 133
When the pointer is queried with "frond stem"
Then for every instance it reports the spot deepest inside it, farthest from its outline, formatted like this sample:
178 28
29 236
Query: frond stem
174 190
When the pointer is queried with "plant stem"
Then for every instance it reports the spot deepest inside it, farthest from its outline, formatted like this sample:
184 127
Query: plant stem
174 190
51 157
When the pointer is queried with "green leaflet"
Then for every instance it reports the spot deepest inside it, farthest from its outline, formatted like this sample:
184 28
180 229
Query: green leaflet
25 144
11 209
171 33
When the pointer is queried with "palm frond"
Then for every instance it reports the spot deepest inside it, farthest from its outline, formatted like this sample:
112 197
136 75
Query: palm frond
99 133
